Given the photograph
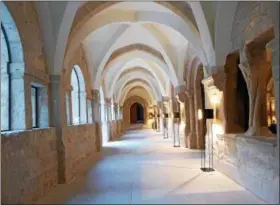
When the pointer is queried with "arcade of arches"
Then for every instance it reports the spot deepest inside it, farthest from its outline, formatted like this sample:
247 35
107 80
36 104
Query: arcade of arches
76 75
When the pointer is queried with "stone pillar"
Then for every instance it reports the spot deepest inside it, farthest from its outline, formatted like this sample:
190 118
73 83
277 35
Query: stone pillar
97 119
158 118
58 120
199 123
109 119
191 138
274 46
83 107
253 64
21 112
68 101
170 118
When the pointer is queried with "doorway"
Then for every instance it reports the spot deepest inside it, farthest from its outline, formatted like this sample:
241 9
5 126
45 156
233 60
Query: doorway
136 113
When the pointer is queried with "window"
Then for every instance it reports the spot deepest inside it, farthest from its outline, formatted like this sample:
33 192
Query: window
12 87
78 95
34 105
89 112
5 85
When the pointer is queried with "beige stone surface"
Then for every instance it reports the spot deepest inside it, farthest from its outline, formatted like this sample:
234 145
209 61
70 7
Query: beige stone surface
143 168
251 163
78 147
28 165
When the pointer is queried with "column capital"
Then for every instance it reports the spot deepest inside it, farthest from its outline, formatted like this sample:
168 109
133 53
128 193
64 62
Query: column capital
95 95
165 98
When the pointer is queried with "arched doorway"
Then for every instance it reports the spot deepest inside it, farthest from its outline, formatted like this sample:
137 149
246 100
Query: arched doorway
136 113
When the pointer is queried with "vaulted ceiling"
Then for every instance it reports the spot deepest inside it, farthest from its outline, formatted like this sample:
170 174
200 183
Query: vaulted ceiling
143 45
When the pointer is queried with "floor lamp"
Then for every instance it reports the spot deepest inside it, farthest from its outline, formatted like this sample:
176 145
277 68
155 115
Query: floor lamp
176 142
165 131
209 114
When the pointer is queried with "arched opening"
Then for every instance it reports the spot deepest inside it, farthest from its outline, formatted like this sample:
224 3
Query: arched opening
12 86
236 97
270 98
136 113
78 96
242 101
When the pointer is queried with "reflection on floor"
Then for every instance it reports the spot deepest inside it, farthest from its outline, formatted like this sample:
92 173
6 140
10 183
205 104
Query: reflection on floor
144 168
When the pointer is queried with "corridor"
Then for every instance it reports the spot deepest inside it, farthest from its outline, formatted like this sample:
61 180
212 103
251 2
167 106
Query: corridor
143 168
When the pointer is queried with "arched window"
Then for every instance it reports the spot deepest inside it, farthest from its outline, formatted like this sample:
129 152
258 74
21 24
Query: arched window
5 83
12 72
78 95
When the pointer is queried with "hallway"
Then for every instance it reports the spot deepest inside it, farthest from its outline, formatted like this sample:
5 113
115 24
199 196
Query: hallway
144 168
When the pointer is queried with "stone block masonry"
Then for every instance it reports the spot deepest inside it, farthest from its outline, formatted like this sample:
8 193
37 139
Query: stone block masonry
79 144
29 165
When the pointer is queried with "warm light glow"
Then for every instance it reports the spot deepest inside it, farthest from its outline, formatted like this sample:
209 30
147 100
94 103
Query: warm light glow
274 119
214 99
217 129
199 114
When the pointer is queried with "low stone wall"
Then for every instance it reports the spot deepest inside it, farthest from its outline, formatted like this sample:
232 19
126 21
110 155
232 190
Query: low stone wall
116 129
250 162
79 143
113 130
120 127
28 166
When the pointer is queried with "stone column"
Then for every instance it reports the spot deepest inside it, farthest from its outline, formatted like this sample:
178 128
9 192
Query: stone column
83 107
253 64
158 118
68 106
170 118
21 112
97 119
191 138
58 120
199 123
274 46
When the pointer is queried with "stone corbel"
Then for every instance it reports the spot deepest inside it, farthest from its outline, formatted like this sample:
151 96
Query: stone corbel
213 88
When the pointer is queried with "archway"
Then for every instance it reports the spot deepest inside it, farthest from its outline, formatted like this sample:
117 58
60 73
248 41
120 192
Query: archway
236 97
136 113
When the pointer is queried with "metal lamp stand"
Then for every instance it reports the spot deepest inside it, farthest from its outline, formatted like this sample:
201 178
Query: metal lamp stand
208 115
176 142
165 134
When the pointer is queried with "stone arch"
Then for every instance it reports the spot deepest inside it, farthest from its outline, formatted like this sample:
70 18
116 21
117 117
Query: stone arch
143 55
12 38
132 108
26 21
78 96
149 72
126 109
84 13
121 98
132 78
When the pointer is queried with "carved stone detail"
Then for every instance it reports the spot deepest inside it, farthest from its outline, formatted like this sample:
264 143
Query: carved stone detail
253 66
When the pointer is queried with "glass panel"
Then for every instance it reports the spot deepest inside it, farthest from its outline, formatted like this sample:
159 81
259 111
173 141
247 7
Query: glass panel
89 112
4 85
34 106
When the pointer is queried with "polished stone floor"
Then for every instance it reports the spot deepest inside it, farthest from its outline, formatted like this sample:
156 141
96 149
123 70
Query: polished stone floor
144 168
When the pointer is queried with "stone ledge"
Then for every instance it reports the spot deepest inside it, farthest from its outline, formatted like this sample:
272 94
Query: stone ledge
18 132
270 141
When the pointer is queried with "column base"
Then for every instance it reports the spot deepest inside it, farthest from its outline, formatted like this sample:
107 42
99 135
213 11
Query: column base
191 140
207 169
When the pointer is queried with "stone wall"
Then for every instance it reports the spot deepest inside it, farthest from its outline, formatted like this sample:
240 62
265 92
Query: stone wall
116 129
29 165
250 162
79 148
